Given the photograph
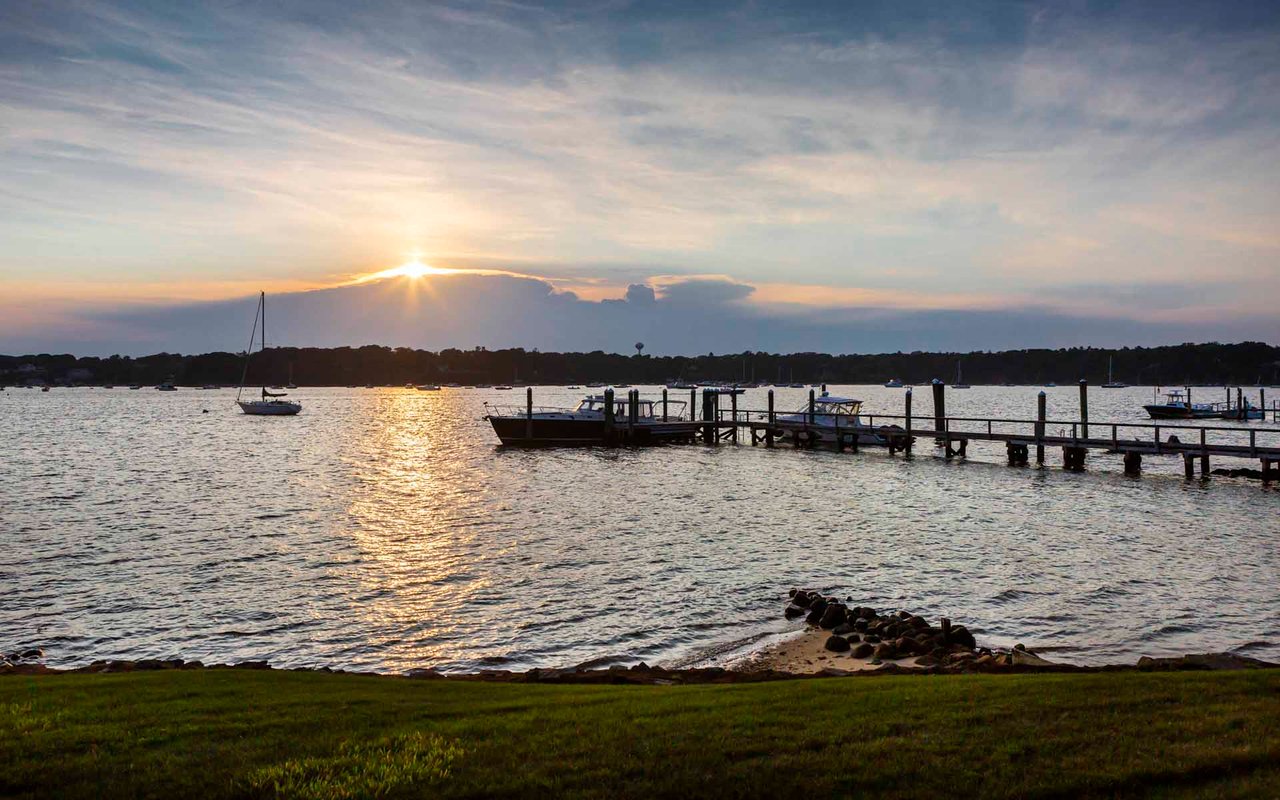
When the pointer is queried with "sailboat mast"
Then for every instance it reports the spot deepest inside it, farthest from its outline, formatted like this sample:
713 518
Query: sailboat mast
248 353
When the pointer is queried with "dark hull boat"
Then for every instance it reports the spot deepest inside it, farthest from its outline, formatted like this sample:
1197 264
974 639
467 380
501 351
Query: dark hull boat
542 431
589 424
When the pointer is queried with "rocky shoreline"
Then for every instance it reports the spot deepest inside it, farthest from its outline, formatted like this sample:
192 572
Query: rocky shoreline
840 639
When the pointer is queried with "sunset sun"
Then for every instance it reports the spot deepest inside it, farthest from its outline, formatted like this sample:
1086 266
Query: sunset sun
410 269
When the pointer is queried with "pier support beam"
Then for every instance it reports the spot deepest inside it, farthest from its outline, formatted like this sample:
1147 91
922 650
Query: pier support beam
708 415
1188 465
1204 466
940 408
1133 463
1018 455
608 417
1268 472
1073 458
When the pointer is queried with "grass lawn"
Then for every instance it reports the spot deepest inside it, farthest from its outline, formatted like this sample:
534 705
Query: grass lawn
251 733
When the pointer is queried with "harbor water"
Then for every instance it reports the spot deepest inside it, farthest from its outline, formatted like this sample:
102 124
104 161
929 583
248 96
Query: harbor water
384 529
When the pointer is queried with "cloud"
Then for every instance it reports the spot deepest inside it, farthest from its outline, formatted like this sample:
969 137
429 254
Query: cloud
496 310
855 155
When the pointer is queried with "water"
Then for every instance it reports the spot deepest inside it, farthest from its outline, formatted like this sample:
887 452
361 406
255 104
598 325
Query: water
384 529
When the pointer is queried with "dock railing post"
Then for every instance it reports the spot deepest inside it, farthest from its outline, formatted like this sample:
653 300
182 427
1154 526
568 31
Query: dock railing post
528 413
664 404
1262 402
608 416
1041 403
907 400
693 404
811 407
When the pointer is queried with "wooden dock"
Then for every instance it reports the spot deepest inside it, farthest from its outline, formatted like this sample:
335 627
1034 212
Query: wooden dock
717 418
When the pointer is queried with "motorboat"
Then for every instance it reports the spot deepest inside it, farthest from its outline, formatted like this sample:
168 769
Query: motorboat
831 416
893 383
724 389
167 386
428 387
502 388
1178 405
269 404
587 423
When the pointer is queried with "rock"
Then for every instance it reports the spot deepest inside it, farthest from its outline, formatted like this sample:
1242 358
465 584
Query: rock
792 592
843 629
960 635
837 644
833 616
905 645
926 661
1026 659
919 623
794 611
1019 647
860 624
985 660
884 650
862 650
30 654
1203 661
872 638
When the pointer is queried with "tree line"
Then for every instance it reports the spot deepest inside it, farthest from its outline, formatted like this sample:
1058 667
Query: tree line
1245 363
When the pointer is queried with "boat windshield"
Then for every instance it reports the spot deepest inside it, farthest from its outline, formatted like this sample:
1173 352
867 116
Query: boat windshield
833 406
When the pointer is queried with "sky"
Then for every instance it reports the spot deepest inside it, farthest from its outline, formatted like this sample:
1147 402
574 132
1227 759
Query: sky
845 177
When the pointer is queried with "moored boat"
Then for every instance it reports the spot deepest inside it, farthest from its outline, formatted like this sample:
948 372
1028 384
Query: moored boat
830 417
270 404
590 423
1178 405
893 383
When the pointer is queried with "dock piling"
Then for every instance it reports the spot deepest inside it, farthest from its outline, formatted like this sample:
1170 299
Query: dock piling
907 400
733 409
693 404
1084 415
1133 463
608 416
664 404
939 406
768 432
1041 403
528 413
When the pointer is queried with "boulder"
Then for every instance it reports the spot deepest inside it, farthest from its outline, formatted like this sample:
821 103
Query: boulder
960 635
794 611
872 638
837 644
860 624
843 629
862 650
884 650
834 615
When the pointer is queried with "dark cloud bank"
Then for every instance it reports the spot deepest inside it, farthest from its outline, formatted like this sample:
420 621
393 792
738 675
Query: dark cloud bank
690 317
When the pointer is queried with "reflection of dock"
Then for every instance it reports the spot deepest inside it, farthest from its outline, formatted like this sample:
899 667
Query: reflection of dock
717 418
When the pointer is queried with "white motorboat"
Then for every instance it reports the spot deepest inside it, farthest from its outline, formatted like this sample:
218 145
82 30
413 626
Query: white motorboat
893 383
167 386
428 387
830 417
270 404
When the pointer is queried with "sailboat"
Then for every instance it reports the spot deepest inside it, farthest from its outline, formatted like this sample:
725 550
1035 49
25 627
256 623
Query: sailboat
959 384
270 405
1112 383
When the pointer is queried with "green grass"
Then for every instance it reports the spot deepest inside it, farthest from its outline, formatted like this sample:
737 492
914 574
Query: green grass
233 733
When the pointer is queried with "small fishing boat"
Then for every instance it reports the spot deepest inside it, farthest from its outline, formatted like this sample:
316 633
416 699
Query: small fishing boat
1178 405
893 383
270 404
135 386
587 423
830 417
1112 383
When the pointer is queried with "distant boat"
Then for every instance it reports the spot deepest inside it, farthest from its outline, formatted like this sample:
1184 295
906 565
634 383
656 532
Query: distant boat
135 386
167 386
894 383
1050 385
270 405
1112 383
44 388
428 387
682 385
291 384
959 384
795 385
502 388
